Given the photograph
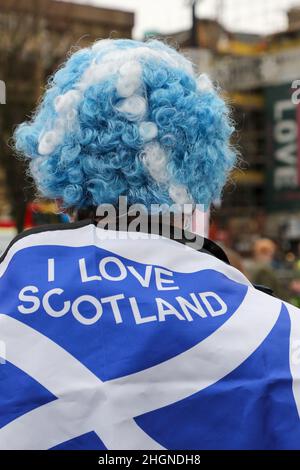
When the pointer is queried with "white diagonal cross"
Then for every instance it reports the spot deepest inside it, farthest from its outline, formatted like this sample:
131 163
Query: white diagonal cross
84 403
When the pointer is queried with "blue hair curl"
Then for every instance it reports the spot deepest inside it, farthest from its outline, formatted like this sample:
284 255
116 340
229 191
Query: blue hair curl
128 118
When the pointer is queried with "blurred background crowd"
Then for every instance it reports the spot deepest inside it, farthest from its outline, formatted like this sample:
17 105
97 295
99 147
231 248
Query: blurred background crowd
251 49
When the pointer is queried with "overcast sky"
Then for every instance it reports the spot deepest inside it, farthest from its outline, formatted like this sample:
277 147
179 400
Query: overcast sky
262 16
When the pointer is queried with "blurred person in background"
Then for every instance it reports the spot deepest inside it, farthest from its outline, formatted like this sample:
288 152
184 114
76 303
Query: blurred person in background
263 271
132 339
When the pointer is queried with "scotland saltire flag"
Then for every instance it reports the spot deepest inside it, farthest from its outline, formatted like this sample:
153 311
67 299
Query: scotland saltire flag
111 343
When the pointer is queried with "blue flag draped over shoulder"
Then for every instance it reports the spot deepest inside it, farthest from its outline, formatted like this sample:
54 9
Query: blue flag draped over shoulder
111 343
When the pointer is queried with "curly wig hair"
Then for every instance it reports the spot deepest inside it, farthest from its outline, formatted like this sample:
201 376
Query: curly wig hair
128 118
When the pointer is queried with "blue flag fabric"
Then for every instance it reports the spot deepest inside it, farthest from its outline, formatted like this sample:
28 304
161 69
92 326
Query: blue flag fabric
140 343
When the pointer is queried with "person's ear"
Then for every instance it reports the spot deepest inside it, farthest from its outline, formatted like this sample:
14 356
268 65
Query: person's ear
71 213
59 205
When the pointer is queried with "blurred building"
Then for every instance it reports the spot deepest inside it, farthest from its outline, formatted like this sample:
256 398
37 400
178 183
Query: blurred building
294 18
263 195
35 36
257 72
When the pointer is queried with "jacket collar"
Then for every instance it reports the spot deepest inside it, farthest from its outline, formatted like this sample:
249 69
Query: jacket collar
194 241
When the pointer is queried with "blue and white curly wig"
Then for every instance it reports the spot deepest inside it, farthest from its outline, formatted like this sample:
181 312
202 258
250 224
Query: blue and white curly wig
124 117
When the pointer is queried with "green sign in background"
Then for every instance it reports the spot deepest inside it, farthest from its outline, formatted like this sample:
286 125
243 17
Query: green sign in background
283 152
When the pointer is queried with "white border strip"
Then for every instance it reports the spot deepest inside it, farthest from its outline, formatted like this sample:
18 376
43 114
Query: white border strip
294 314
158 251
